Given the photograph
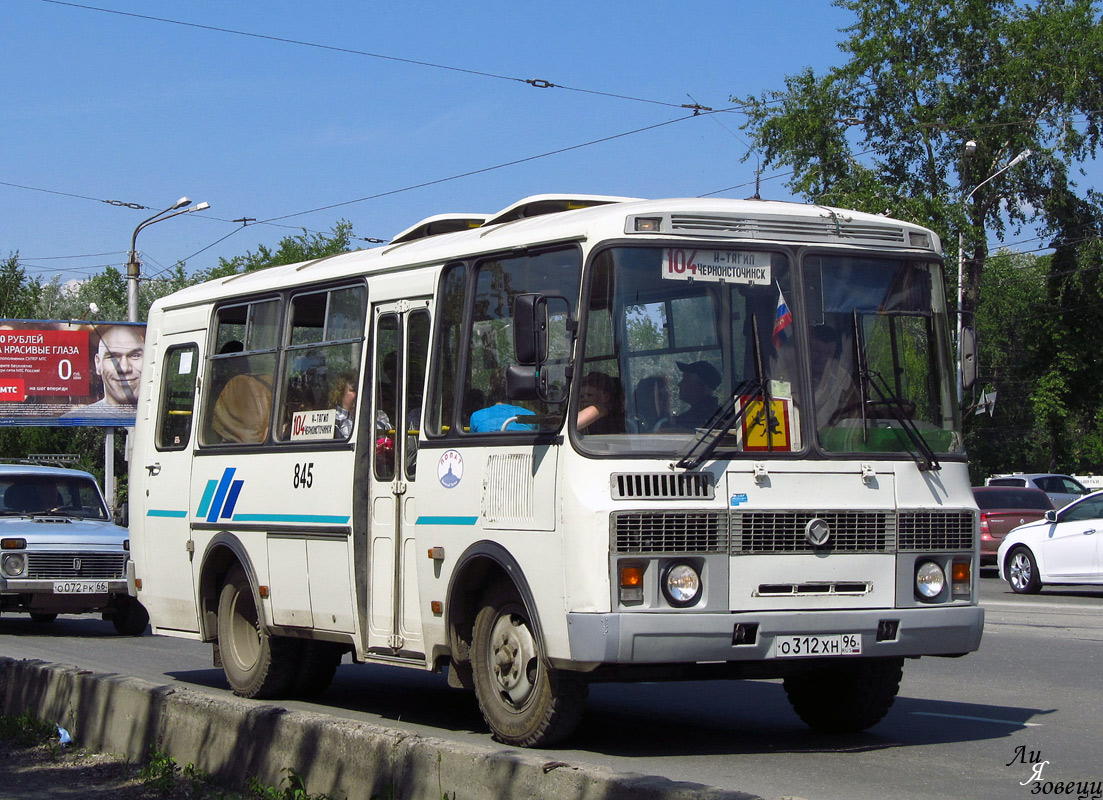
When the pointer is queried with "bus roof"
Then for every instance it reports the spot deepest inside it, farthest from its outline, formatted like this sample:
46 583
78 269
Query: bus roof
546 219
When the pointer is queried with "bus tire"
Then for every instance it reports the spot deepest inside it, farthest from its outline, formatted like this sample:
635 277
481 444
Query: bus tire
318 663
846 697
256 663
525 702
130 617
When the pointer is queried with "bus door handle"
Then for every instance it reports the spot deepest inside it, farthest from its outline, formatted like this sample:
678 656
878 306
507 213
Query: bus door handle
153 469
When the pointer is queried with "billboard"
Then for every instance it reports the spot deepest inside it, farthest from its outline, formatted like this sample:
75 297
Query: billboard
70 373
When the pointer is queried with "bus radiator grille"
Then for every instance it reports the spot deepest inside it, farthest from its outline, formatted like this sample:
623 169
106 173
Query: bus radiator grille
670 532
937 530
784 532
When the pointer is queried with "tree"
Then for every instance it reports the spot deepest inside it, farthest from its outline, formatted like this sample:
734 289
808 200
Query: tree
291 250
18 295
886 130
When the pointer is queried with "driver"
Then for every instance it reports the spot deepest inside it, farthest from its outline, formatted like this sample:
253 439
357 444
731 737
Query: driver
834 386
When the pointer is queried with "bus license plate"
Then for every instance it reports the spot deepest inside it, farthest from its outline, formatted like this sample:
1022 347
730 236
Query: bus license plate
80 587
839 644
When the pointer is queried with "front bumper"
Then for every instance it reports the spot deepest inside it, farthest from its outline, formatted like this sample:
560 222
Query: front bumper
681 638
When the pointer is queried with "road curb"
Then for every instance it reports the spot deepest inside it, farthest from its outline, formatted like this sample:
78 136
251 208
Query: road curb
234 739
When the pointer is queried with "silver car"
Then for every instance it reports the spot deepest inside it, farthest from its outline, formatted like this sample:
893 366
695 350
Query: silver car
1062 489
60 553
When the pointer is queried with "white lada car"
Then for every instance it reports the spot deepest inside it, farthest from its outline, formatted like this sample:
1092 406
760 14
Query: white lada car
60 552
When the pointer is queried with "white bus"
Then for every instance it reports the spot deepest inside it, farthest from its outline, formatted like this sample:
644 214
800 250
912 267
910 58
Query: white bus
585 439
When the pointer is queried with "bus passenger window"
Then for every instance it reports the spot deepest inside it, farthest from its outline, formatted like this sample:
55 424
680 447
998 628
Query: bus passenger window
321 362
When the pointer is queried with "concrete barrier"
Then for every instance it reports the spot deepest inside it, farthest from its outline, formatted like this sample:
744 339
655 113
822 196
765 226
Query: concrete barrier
234 739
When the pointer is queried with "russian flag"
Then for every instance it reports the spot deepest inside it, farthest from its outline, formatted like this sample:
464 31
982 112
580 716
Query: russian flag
783 319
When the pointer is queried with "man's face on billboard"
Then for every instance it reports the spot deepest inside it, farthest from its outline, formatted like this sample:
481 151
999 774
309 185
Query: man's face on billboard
119 364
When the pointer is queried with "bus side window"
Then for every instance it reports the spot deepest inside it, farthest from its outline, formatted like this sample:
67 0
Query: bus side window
322 360
238 407
177 397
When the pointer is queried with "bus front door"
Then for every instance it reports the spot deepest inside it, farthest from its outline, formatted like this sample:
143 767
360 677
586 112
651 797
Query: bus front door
165 505
399 356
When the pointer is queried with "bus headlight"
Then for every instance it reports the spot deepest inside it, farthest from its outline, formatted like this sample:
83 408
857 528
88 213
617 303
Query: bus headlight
930 580
681 585
13 564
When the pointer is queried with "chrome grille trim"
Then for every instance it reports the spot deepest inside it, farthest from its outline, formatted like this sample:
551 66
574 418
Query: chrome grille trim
670 532
783 531
663 486
937 530
100 566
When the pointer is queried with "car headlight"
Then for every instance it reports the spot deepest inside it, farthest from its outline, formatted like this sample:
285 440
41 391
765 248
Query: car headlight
14 564
681 585
930 580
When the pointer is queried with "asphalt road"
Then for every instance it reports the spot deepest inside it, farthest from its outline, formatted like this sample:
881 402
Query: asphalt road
960 728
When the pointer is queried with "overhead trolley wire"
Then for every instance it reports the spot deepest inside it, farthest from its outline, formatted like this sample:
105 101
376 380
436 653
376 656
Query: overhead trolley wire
538 83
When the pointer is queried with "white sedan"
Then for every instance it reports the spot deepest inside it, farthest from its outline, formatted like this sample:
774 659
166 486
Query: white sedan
1065 547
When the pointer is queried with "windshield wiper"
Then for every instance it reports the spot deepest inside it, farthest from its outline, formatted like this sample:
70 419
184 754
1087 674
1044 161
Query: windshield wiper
731 412
870 380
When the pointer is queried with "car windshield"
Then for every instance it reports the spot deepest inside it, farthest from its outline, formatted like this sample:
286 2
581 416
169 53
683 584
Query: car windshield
65 495
1013 498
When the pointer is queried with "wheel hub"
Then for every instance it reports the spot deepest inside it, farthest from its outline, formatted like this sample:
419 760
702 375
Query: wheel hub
513 659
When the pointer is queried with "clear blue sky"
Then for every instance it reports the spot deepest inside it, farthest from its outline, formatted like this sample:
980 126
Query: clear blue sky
98 106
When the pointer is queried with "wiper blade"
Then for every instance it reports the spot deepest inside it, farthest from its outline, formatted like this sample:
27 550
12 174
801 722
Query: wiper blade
731 412
870 380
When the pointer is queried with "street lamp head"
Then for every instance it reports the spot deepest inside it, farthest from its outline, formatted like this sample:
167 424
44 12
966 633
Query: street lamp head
183 201
970 148
1023 156
202 206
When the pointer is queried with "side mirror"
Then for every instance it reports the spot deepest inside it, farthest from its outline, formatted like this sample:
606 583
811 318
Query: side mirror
968 347
1051 516
543 335
530 329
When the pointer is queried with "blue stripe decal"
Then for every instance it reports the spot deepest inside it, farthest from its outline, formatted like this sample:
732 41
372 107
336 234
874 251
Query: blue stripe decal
220 493
231 500
446 520
205 503
164 512
316 518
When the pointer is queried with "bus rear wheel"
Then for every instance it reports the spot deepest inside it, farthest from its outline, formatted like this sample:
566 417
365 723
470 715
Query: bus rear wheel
525 702
256 663
846 697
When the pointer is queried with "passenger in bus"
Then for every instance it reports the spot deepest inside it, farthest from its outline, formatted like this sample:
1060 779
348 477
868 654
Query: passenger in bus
601 401
696 389
835 387
343 398
652 398
500 416
243 408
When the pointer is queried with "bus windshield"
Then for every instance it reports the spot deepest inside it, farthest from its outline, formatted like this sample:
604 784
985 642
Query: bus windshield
841 353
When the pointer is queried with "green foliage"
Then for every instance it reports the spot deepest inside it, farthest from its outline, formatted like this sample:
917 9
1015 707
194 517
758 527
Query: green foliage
291 250
26 730
292 787
885 131
18 296
161 771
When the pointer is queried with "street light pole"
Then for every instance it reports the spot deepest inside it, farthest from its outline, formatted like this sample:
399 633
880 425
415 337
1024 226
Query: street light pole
970 147
133 266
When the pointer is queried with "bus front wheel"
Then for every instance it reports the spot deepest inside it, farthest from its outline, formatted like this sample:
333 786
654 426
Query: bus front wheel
256 663
525 702
845 697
